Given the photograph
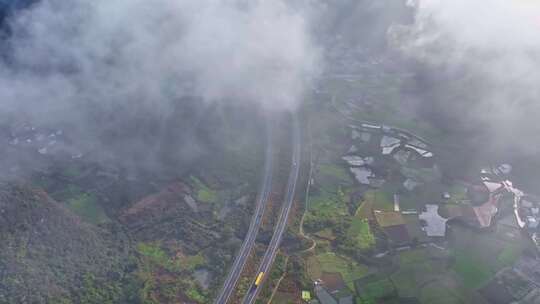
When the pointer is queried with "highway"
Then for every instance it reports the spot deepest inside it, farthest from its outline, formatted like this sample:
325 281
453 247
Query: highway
249 240
271 251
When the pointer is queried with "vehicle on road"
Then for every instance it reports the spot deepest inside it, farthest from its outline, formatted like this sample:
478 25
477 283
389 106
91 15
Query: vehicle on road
259 279
281 225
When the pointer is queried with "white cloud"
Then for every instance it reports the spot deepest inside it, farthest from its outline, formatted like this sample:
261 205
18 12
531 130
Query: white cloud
491 49
65 56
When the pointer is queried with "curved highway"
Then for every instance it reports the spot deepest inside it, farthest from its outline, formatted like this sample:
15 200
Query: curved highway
247 245
271 252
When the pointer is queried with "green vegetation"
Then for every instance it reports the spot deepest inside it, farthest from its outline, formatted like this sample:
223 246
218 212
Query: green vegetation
375 200
326 234
325 210
377 290
244 284
44 183
204 193
508 256
330 262
97 292
437 293
155 262
72 171
429 274
406 286
153 252
382 199
156 255
328 205
473 271
61 300
360 232
477 257
419 267
385 88
422 194
85 205
457 193
335 171
413 256
195 293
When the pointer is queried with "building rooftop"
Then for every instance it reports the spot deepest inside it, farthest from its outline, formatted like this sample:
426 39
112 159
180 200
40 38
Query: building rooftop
487 211
394 226
493 186
435 224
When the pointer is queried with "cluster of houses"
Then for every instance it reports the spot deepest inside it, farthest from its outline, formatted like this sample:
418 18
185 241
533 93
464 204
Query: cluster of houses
526 206
404 228
478 211
44 141
402 145
401 226
528 215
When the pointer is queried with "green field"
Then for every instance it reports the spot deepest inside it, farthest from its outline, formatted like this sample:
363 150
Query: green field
85 205
377 290
384 197
330 262
331 177
375 200
457 193
327 204
479 256
413 256
338 172
437 292
508 256
283 298
326 233
418 272
156 255
72 171
473 271
203 192
422 194
361 233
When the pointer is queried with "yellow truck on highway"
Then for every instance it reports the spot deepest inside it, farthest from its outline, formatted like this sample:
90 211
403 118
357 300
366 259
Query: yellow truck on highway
259 279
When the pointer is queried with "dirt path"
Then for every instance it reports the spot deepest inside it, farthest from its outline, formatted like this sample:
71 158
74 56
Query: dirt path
306 203
279 281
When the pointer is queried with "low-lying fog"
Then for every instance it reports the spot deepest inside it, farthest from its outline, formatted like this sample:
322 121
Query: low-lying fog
476 63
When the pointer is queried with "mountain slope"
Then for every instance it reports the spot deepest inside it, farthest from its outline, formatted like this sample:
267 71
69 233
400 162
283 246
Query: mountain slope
47 253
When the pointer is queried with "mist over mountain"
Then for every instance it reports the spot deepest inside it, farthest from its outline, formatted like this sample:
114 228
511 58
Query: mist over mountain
120 75
71 62
134 133
478 66
107 53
